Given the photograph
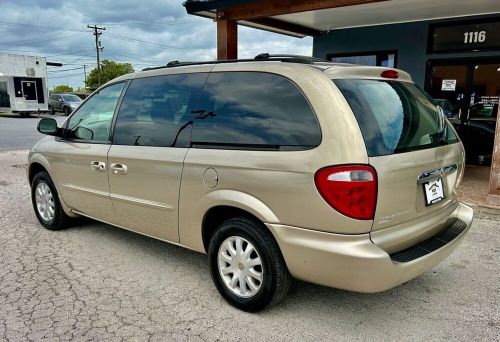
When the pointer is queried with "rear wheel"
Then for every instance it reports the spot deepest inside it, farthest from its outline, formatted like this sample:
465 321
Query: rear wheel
247 266
46 203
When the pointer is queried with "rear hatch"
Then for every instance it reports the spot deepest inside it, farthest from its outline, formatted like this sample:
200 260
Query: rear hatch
413 148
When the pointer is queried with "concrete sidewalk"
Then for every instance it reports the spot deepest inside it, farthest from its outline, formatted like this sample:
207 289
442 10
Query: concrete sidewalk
474 188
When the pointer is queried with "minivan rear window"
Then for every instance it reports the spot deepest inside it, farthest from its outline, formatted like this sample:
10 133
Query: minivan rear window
395 117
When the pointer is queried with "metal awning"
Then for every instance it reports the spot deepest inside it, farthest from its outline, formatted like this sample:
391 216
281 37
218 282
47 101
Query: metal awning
310 18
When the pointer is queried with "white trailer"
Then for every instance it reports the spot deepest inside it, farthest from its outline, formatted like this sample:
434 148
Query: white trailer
23 84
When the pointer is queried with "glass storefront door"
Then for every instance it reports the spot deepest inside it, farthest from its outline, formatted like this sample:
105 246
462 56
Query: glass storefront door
469 95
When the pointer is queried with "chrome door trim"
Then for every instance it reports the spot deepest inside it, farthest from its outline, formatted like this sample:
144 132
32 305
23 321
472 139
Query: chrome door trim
448 170
87 190
429 175
140 201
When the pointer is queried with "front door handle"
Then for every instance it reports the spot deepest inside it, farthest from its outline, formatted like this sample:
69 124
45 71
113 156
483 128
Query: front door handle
118 169
98 166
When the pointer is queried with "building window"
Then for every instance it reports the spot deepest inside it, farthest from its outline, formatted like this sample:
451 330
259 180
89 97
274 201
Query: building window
377 58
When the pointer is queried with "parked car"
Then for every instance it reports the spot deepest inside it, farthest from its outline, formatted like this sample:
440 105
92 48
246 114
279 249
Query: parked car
477 131
65 103
277 168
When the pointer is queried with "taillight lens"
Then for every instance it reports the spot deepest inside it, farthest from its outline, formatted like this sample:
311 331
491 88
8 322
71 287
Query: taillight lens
350 189
390 74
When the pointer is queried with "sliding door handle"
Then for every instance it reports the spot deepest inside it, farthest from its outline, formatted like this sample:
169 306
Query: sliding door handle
98 166
118 169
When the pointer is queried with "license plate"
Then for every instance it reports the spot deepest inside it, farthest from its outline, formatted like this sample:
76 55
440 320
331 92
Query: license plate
433 191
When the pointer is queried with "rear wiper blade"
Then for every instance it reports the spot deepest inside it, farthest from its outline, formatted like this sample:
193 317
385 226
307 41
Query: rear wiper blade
442 135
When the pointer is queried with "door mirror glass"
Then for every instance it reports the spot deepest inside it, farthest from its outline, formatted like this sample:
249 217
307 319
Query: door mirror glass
47 126
84 133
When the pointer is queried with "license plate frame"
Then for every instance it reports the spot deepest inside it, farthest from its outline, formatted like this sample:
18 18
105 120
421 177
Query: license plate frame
433 191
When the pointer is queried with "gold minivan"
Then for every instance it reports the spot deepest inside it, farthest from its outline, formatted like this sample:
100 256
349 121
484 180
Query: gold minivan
277 167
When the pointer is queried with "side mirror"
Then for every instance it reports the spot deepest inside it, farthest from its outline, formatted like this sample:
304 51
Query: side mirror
48 126
84 133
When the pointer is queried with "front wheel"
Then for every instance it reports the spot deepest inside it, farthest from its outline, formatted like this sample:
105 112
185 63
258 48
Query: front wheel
46 202
247 266
67 111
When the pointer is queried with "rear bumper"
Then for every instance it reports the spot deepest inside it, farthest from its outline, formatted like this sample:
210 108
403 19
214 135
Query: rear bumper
354 262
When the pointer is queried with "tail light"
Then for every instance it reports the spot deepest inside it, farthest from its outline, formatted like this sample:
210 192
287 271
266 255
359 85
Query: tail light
349 189
390 74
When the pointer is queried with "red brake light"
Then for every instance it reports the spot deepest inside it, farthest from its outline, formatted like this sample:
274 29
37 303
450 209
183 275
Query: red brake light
390 74
350 189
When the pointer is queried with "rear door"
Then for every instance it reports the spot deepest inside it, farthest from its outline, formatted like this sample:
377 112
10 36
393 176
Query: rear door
415 151
150 142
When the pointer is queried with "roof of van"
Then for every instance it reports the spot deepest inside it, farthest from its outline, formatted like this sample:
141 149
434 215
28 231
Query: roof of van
333 70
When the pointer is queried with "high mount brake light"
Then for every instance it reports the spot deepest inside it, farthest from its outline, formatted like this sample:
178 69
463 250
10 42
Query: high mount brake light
390 74
350 189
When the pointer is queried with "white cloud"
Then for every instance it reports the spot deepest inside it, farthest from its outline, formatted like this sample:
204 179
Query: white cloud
147 34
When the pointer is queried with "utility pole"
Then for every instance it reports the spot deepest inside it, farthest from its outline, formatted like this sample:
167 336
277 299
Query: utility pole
85 75
98 48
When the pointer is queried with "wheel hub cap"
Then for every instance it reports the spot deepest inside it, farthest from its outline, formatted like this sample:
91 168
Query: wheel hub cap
44 202
240 266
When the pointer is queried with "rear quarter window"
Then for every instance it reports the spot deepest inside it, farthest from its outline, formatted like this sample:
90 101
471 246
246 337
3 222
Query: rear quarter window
254 110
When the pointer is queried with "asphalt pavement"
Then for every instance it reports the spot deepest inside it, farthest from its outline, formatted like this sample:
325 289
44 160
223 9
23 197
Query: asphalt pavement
97 282
19 133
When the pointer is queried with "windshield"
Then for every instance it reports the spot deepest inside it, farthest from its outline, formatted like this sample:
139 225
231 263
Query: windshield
71 98
395 117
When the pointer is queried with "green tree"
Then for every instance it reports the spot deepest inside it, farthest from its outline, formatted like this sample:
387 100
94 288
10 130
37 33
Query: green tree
109 70
63 88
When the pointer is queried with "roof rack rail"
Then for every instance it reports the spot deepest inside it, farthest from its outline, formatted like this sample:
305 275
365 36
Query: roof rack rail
266 56
261 58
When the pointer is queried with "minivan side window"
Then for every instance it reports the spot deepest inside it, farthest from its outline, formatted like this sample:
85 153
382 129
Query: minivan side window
157 111
92 120
254 110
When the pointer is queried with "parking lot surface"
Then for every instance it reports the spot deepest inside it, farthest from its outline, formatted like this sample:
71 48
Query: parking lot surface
17 133
97 282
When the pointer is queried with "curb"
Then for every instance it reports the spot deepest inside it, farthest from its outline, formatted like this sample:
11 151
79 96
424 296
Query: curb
484 208
35 116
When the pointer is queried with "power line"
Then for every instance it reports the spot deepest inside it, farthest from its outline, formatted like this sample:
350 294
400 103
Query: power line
34 25
69 53
52 35
86 56
68 75
56 71
128 39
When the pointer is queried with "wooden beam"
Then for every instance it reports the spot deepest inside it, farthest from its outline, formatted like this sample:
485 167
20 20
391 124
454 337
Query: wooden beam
227 39
494 192
279 7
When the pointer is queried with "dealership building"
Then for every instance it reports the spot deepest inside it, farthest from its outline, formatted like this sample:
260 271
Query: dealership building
450 47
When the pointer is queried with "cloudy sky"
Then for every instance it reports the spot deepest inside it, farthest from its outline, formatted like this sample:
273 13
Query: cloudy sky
144 33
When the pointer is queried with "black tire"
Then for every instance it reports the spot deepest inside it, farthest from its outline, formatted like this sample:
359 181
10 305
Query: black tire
60 219
276 279
67 111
